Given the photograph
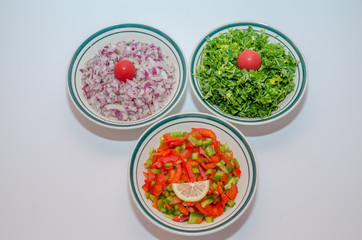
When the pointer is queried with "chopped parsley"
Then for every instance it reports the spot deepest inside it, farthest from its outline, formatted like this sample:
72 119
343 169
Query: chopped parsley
243 93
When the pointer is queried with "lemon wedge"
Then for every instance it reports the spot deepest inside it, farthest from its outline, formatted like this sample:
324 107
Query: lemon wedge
192 191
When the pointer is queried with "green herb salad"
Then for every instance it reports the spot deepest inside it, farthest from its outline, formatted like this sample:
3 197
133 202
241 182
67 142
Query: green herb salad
236 91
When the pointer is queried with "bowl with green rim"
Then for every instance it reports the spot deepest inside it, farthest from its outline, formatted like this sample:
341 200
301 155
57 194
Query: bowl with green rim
253 97
157 85
184 122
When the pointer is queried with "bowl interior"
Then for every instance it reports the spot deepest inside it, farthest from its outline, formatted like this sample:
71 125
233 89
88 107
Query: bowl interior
225 133
125 32
300 78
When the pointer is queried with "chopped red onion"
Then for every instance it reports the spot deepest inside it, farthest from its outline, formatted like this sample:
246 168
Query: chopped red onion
134 99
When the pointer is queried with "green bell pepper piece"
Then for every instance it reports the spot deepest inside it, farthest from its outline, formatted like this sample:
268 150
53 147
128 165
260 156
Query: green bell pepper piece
194 216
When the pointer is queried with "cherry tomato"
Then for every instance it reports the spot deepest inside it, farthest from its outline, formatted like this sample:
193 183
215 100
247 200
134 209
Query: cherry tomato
124 69
249 59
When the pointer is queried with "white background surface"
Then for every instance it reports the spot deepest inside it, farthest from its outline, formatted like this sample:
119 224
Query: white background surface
62 177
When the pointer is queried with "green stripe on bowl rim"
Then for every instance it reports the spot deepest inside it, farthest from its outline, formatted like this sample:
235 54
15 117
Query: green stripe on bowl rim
253 168
301 69
128 125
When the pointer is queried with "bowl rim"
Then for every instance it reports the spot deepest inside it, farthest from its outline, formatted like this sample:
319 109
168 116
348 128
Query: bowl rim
256 121
139 123
227 222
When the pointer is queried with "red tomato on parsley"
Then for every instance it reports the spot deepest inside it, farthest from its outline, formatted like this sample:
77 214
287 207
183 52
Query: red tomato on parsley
249 59
124 70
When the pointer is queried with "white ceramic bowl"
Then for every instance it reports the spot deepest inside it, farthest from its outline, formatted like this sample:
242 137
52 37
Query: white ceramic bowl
300 78
114 34
225 132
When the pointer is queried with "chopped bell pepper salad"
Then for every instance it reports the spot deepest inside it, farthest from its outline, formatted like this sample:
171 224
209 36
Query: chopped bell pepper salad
191 157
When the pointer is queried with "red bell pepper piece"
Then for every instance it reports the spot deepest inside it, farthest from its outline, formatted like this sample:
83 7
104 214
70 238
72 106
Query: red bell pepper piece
204 132
186 154
220 208
168 206
202 172
180 218
157 190
145 187
172 174
216 144
184 177
157 164
151 176
207 211
215 158
162 153
177 143
232 192
163 147
177 176
160 184
191 209
211 165
202 164
170 158
189 172
224 178
236 173
224 198
203 153
189 145
183 210
192 163
196 133
188 204
174 141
